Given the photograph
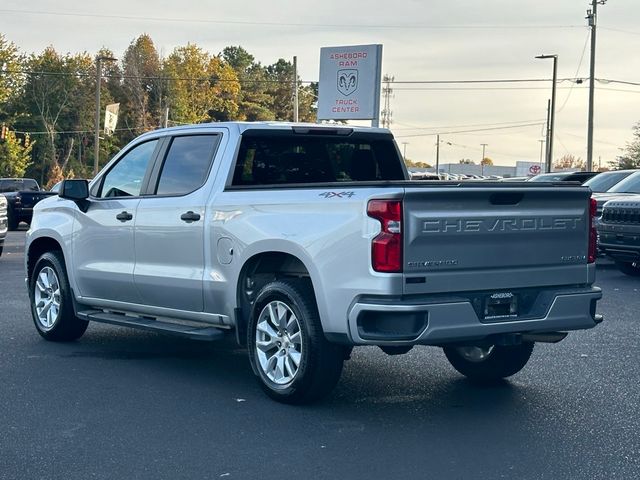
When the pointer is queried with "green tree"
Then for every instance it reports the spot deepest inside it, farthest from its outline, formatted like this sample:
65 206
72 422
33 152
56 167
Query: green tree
15 155
141 86
281 77
11 78
200 87
255 103
630 157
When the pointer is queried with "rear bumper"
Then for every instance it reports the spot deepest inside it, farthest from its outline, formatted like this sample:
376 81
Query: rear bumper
457 321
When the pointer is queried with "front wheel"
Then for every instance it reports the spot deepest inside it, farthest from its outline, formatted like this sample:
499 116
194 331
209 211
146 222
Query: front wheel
629 268
51 302
486 364
287 348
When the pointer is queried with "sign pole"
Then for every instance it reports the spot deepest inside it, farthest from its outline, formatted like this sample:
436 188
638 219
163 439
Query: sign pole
375 121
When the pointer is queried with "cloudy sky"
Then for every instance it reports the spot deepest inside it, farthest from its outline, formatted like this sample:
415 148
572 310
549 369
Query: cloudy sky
423 41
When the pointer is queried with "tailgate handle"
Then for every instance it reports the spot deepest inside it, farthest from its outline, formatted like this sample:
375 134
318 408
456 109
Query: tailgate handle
506 198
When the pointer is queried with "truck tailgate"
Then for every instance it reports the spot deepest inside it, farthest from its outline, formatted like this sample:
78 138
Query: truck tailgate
485 237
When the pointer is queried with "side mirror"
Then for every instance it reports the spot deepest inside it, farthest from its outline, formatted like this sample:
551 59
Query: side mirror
77 191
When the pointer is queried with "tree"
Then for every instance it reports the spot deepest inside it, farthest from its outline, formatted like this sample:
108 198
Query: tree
15 155
280 75
141 85
569 161
255 103
486 161
466 161
201 87
630 157
11 80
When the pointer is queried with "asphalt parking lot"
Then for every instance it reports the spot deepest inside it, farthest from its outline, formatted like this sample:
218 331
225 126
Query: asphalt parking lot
126 404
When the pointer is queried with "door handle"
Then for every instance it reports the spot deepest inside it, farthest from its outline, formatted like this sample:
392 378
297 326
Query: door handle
190 217
124 216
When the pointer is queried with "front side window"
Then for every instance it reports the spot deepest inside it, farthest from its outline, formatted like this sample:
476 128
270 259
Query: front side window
125 178
187 164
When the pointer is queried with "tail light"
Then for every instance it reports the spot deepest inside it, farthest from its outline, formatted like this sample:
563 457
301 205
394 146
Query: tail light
593 234
386 247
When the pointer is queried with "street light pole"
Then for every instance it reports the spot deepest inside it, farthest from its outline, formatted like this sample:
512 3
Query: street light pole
553 110
484 146
592 18
96 141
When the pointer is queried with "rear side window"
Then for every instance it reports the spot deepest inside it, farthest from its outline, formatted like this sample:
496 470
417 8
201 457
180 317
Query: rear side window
187 164
276 159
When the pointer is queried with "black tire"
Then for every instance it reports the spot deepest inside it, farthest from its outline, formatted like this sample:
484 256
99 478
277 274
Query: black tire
629 268
320 362
500 363
12 221
65 326
1 248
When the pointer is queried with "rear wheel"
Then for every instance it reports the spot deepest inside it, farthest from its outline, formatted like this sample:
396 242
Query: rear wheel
629 268
486 364
51 302
287 348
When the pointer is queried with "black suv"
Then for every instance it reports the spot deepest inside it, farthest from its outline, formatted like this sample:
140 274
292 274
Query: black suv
619 233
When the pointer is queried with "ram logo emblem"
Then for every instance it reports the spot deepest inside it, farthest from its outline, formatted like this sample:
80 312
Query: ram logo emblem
347 81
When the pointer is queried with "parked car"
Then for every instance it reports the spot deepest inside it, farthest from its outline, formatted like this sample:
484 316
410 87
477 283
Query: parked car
625 188
605 181
3 221
22 195
564 177
305 241
619 233
514 179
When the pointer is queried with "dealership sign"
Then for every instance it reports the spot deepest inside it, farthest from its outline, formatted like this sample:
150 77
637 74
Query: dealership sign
350 80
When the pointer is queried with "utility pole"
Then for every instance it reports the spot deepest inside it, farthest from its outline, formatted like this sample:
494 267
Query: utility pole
484 146
553 109
547 162
541 151
438 154
387 91
592 17
295 88
96 140
404 150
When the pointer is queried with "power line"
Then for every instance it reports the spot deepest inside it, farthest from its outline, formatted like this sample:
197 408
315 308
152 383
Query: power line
584 49
286 24
440 127
468 131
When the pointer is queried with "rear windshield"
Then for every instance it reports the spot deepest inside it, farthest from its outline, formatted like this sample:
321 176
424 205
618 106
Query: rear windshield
630 184
276 158
604 181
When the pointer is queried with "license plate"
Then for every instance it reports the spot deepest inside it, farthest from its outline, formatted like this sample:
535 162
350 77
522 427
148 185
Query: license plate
500 305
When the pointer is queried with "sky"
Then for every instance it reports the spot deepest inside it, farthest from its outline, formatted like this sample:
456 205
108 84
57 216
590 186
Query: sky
422 41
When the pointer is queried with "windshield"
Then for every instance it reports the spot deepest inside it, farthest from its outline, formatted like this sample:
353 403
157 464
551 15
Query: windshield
630 184
604 181
550 177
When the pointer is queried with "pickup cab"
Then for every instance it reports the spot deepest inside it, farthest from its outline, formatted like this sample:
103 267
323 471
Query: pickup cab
22 194
304 241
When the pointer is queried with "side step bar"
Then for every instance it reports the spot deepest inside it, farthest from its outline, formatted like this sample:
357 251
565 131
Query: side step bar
205 333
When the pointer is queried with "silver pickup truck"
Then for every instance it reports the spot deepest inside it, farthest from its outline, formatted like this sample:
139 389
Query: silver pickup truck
307 240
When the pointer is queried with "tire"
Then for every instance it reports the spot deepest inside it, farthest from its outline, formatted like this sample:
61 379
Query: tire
49 289
1 248
12 221
629 268
275 347
491 364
